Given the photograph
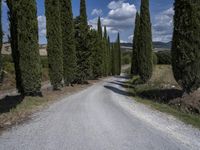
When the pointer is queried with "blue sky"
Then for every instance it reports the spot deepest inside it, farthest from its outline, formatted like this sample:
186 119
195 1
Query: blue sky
117 15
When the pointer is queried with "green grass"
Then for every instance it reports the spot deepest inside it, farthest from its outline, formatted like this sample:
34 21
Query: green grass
191 119
30 103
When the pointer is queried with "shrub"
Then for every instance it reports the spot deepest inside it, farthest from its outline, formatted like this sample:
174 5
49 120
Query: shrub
155 59
164 57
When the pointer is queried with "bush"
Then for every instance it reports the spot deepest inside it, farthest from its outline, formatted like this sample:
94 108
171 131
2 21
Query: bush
155 59
44 62
7 58
9 68
164 57
126 58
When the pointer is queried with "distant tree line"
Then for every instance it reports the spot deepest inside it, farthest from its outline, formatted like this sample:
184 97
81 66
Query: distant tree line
76 53
185 54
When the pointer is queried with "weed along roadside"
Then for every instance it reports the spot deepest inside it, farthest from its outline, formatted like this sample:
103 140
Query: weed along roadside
162 93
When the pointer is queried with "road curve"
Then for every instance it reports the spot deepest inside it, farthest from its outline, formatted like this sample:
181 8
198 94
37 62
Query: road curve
101 117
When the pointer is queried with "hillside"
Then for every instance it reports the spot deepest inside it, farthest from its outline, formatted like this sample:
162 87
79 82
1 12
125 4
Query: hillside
156 45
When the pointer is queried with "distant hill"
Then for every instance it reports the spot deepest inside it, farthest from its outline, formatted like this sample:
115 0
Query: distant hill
162 45
156 45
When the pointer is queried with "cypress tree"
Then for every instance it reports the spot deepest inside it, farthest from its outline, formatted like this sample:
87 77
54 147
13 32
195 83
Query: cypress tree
1 62
54 46
145 62
109 57
95 47
83 52
105 52
186 44
134 63
99 27
30 65
118 49
68 41
83 15
12 15
105 32
100 33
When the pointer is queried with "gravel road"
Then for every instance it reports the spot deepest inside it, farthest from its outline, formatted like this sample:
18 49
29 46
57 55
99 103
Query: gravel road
101 117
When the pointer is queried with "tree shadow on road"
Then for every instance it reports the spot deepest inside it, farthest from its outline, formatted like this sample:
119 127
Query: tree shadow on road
118 91
122 77
10 102
150 93
122 84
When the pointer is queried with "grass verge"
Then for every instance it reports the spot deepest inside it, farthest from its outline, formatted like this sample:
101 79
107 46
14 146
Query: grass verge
160 93
191 119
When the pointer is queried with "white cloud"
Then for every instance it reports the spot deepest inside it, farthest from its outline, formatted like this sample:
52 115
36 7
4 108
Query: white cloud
163 28
97 12
122 41
115 4
120 17
130 38
123 11
42 25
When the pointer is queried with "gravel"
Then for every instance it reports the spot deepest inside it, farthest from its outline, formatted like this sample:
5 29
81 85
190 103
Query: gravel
101 117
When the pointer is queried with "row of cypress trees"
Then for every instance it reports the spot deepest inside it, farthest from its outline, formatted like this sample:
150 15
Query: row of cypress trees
185 45
86 52
111 56
142 58
76 53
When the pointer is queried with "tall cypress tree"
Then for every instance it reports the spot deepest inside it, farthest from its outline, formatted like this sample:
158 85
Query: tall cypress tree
12 15
68 41
105 52
145 58
1 62
118 49
105 32
83 14
134 62
109 57
100 33
54 46
186 44
83 52
99 27
95 47
30 65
